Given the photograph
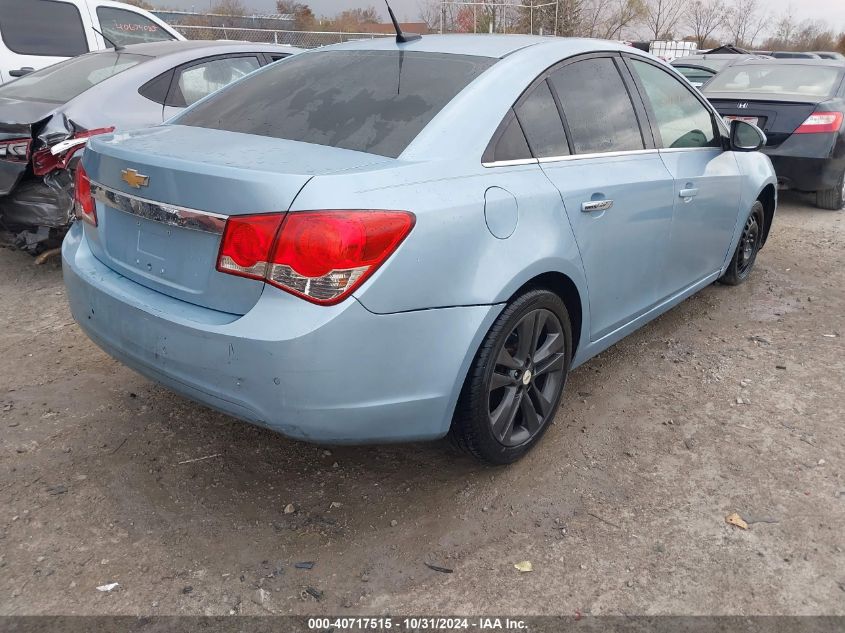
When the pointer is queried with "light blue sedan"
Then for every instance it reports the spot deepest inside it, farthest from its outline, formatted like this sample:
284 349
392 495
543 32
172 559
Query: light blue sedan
383 241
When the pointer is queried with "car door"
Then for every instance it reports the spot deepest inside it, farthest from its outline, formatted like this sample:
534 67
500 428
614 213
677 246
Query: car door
616 190
38 33
196 80
707 178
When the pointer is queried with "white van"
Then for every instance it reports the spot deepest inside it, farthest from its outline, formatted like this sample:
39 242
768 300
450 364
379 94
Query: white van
38 33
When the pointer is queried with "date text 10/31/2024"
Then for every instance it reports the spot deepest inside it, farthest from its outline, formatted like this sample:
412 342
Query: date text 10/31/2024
415 624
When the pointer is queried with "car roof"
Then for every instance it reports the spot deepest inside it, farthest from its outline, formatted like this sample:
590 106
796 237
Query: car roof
497 46
701 56
792 61
202 47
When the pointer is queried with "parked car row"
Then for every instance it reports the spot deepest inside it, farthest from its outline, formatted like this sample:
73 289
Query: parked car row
403 240
798 102
47 116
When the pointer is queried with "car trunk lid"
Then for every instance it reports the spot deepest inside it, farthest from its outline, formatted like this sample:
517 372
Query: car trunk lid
778 119
163 195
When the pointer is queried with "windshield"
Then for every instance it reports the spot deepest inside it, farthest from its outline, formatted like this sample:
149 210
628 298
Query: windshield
777 79
63 81
369 101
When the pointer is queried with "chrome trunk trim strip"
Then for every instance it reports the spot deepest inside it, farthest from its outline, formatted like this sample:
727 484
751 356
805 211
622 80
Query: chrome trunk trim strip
160 212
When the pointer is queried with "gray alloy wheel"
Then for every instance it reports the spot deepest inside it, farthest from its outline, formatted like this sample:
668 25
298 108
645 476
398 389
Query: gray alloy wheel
515 384
832 199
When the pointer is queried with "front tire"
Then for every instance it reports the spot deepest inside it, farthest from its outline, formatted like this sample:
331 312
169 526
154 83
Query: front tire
749 245
516 381
832 199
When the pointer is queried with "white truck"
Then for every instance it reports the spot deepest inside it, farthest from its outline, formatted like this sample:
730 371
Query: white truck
38 33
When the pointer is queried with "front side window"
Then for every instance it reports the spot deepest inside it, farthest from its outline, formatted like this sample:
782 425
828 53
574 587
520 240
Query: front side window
63 81
540 119
597 107
127 27
682 120
201 80
42 27
368 101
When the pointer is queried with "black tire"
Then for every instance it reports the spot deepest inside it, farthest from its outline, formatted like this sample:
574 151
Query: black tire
749 245
509 380
832 199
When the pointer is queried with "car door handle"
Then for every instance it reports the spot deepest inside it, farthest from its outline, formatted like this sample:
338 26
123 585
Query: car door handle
688 193
20 72
596 205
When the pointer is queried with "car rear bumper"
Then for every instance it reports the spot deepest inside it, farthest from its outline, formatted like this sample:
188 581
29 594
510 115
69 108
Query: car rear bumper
807 174
338 374
807 162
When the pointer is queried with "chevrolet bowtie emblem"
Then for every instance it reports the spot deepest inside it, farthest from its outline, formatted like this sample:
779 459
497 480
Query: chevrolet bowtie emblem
134 179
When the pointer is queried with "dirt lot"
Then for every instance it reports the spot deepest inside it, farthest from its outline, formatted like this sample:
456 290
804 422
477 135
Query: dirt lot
734 401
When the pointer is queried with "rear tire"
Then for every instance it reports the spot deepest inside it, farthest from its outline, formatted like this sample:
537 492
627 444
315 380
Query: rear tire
516 381
749 245
832 199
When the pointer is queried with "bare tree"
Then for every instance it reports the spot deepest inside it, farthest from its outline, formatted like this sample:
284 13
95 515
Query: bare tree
141 4
703 18
228 7
429 12
304 19
622 14
745 23
662 16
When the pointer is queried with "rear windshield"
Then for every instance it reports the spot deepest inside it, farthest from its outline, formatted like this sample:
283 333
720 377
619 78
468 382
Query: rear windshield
778 78
369 101
62 82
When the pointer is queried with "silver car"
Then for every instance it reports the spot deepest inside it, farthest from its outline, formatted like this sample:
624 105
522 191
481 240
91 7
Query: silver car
47 116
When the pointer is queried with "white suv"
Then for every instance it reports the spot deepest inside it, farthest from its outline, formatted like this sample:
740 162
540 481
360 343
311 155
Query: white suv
37 33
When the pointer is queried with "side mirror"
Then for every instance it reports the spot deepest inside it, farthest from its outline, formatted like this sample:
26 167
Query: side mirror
746 137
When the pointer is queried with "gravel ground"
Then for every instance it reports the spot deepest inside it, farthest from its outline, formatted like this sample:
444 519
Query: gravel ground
731 402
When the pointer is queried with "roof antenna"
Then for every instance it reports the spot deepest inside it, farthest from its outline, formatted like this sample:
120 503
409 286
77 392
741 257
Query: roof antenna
401 38
108 41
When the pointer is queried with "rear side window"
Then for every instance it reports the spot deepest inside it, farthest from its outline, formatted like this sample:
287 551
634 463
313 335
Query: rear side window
510 144
597 107
196 82
369 101
63 81
540 119
682 120
42 27
127 27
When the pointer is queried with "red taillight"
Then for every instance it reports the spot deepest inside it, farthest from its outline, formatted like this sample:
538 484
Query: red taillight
321 256
58 156
247 241
83 201
16 150
820 123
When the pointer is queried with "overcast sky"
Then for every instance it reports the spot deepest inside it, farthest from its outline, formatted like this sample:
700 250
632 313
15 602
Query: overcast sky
832 12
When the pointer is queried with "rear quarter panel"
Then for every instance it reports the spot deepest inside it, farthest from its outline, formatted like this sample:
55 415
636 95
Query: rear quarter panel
451 258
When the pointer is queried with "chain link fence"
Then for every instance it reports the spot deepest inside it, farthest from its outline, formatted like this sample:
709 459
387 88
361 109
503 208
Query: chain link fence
300 39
